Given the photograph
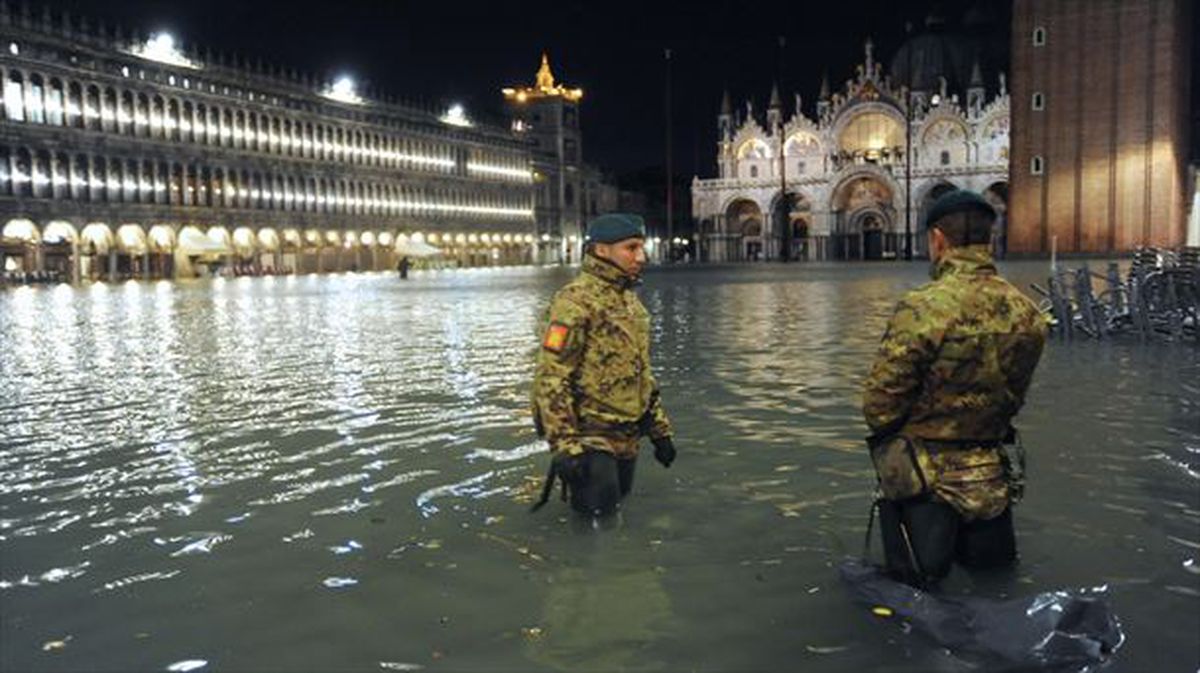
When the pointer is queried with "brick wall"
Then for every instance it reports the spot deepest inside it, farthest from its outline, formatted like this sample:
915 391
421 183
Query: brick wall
1113 132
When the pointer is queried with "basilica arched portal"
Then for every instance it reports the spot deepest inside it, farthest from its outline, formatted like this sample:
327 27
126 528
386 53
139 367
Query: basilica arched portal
864 219
743 218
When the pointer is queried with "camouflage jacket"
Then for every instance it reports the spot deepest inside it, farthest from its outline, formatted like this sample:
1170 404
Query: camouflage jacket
592 382
953 368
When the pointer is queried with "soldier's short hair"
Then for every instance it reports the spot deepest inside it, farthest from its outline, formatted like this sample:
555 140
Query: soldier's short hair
964 217
966 227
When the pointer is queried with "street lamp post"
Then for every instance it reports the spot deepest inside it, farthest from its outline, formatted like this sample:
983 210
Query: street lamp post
908 115
670 177
784 210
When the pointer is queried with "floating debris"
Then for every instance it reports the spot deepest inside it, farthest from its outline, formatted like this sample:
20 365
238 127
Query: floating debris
882 611
400 666
52 645
187 665
531 632
339 582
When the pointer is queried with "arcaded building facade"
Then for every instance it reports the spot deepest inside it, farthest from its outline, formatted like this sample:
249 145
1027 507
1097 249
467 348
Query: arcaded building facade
123 156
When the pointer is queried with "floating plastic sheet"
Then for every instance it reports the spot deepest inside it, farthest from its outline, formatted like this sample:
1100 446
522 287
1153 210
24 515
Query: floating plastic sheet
1056 630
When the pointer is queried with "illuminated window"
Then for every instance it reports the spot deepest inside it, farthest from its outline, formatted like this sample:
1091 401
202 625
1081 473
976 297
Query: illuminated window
1039 101
870 132
1039 37
1036 165
33 101
14 96
14 49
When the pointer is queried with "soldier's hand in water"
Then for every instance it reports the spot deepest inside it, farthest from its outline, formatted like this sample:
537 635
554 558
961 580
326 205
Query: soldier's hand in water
572 467
664 450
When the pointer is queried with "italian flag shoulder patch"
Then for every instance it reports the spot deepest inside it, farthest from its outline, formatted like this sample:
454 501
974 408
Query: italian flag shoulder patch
556 337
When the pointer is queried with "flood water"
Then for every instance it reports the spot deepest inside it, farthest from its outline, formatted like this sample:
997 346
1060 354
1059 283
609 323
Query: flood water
333 474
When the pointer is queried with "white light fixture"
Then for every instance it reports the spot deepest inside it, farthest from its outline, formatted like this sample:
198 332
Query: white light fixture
161 47
456 116
343 90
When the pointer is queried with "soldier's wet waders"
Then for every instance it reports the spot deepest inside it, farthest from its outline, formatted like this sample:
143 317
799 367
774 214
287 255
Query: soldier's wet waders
922 538
597 491
922 534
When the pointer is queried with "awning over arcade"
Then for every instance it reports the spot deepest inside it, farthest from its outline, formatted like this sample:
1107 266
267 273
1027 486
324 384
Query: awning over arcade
416 249
193 242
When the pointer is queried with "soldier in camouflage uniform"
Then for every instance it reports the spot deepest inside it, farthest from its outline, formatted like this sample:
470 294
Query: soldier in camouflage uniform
951 373
593 394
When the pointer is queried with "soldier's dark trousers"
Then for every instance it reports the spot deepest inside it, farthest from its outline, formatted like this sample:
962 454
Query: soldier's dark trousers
923 538
606 480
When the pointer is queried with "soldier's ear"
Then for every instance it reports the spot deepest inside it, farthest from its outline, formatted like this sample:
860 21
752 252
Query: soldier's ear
937 242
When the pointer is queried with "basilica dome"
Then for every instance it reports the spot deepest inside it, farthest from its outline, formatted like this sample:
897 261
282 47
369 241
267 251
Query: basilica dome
931 54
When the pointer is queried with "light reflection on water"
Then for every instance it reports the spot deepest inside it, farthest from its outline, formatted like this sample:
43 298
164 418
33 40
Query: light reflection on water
333 472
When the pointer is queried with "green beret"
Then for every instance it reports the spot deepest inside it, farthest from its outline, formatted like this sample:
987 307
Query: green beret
613 227
957 201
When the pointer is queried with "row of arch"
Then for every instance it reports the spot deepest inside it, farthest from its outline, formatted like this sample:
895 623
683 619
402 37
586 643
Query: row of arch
98 249
38 98
874 135
109 179
866 221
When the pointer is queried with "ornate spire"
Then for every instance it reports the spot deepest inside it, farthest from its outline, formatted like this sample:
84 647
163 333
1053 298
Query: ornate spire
799 106
726 105
869 50
545 78
775 103
976 75
975 91
824 94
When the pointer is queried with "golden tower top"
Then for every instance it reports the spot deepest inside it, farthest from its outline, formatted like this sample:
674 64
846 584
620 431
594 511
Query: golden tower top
544 87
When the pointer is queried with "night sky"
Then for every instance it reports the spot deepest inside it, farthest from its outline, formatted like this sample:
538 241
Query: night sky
442 50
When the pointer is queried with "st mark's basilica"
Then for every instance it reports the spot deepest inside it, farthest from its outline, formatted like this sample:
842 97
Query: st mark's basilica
845 182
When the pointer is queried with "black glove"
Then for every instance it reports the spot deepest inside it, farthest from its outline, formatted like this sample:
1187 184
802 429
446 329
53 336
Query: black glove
572 468
664 450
